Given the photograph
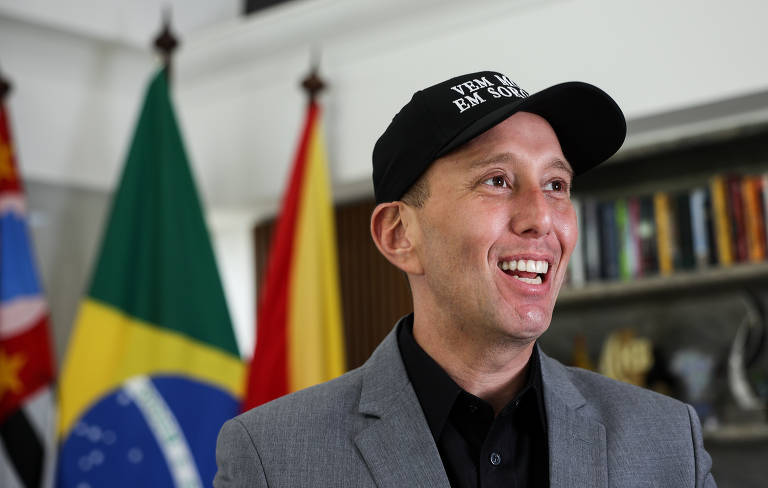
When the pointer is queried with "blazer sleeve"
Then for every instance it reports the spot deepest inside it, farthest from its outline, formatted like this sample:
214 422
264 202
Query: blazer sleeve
237 458
703 461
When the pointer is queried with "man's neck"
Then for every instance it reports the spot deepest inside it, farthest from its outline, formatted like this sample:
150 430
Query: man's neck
492 370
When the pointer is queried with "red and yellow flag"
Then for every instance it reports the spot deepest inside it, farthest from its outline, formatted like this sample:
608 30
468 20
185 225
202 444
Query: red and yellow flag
299 336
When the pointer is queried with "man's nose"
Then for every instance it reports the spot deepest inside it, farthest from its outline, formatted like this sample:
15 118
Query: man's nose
532 215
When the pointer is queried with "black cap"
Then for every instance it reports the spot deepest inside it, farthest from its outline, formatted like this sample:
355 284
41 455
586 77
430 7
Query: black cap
588 123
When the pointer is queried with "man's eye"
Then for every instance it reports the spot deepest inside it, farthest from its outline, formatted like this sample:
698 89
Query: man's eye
557 185
497 181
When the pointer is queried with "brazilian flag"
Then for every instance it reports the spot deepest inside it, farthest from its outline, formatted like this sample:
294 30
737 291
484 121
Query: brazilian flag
152 370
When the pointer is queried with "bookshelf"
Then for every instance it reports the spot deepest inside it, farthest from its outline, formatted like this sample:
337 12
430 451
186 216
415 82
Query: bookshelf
626 205
737 433
695 306
709 280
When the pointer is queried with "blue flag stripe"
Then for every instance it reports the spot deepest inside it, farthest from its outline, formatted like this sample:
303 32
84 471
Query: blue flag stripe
18 276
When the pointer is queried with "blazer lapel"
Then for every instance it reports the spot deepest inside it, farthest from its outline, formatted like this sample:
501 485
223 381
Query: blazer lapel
396 445
577 445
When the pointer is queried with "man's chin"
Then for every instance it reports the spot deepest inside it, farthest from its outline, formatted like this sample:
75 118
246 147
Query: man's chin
532 323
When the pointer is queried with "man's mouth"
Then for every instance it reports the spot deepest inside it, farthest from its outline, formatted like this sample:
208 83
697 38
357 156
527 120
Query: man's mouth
528 271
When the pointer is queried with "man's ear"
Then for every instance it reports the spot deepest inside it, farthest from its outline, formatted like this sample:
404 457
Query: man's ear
393 228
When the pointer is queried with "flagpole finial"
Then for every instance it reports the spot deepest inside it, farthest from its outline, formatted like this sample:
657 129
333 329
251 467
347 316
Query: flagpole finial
166 42
312 83
5 87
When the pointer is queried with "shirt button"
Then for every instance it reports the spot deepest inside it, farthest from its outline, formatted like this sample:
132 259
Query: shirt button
472 407
495 458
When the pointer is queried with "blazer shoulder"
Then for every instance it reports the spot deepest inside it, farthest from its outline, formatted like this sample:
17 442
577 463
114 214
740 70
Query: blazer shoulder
646 432
338 395
296 439
618 402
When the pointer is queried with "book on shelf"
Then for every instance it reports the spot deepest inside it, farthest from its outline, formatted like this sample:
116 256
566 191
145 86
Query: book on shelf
649 256
577 274
764 195
683 230
754 219
738 221
592 252
633 213
665 244
699 226
624 240
709 217
722 225
609 243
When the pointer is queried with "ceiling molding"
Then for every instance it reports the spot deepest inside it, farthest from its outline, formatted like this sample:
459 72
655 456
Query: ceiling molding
339 28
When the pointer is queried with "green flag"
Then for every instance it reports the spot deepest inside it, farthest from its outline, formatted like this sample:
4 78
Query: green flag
152 369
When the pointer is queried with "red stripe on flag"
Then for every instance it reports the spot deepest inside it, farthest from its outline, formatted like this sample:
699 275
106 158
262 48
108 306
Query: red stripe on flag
26 365
268 374
9 176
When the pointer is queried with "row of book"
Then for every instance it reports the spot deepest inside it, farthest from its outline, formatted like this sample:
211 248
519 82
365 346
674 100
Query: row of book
717 224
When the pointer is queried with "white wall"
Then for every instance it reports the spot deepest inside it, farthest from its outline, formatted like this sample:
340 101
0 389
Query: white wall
239 84
232 243
78 84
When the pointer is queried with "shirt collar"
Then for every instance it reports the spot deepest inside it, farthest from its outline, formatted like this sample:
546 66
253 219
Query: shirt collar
437 392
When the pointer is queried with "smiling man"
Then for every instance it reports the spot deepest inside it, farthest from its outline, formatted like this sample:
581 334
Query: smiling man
472 180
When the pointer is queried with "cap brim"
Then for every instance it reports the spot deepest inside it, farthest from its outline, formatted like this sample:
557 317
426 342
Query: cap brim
589 124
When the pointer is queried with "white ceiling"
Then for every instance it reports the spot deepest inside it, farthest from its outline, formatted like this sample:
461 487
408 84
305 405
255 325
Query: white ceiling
130 23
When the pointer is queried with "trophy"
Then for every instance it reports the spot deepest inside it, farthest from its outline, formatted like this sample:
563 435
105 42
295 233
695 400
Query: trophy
695 368
626 358
746 348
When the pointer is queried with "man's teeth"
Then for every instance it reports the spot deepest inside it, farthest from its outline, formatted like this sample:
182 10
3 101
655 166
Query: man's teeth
530 281
528 265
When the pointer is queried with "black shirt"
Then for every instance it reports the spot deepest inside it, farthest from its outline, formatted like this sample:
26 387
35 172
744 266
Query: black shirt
477 449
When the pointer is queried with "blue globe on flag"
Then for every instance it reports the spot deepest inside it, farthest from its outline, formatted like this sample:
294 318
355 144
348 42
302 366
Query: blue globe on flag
148 431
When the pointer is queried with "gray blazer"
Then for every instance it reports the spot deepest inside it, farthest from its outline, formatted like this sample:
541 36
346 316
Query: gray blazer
367 429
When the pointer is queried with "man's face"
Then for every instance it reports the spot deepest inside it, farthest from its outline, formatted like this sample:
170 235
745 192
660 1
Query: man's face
501 201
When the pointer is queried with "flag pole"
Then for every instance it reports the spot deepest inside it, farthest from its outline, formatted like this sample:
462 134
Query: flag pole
312 83
166 42
5 87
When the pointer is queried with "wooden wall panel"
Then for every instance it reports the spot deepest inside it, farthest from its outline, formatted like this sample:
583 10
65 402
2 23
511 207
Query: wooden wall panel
374 293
